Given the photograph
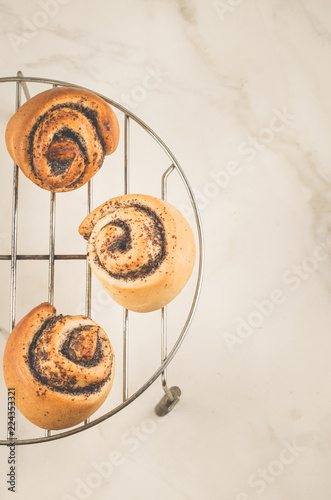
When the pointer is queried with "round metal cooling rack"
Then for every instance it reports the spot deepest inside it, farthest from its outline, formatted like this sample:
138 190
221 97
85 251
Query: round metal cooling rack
171 395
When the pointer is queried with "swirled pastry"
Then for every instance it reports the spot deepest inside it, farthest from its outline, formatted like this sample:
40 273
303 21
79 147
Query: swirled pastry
61 367
141 249
59 138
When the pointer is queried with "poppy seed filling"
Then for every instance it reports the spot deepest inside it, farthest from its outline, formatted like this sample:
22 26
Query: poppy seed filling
57 166
124 243
66 381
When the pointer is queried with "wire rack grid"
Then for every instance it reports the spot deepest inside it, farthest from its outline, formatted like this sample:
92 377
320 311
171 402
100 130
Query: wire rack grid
171 395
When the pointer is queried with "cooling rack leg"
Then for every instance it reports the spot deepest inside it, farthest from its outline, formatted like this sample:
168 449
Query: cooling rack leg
166 404
125 311
172 395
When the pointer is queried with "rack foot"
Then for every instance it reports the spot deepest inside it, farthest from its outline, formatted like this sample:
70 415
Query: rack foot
167 404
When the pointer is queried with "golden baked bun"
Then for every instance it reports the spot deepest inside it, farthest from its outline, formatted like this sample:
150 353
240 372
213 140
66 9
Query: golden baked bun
59 138
61 367
141 249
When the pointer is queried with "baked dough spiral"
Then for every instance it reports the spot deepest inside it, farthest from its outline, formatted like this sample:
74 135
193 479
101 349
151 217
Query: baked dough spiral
141 249
61 367
59 138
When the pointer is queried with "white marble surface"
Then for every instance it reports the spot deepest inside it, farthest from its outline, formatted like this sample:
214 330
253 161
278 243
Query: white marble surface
239 90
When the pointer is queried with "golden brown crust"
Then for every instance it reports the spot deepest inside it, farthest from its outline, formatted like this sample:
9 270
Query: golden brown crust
59 137
50 371
141 249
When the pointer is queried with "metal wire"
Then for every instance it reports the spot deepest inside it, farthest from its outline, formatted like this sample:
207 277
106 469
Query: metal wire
164 329
51 248
13 265
125 311
88 293
165 358
125 353
88 290
45 257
